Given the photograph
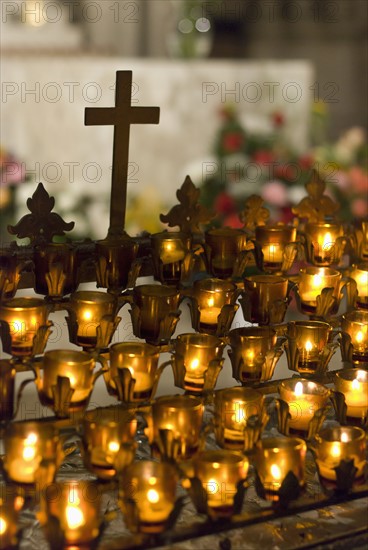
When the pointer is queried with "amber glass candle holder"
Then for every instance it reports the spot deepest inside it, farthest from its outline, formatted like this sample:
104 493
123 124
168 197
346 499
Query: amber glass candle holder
67 380
27 445
277 459
338 445
92 318
307 349
108 440
25 328
359 240
353 385
278 246
76 506
154 312
359 274
354 341
319 291
171 256
7 386
305 405
324 243
197 361
116 268
175 425
222 475
134 373
212 305
55 270
11 504
10 269
265 300
234 409
224 247
253 354
147 495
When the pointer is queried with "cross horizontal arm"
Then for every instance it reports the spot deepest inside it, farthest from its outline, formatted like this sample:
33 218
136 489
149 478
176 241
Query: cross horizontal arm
105 116
144 115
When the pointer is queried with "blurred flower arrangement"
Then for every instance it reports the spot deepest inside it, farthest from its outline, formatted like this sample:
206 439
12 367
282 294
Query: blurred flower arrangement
265 164
12 173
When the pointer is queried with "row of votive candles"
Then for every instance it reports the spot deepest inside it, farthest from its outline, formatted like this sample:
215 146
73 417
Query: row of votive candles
275 247
108 449
155 308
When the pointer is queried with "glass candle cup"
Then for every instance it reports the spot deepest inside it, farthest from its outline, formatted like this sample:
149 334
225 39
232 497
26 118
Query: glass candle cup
10 269
76 365
76 504
168 252
55 270
304 398
24 317
182 415
311 337
337 444
223 248
275 457
193 354
312 281
152 486
353 383
220 472
104 431
26 444
324 244
265 292
249 349
115 258
272 239
11 504
89 308
141 360
355 324
360 275
7 385
212 295
155 303
233 409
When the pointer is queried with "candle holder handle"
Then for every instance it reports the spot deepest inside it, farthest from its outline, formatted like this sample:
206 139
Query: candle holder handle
20 392
243 259
158 373
339 405
351 291
62 394
346 348
289 254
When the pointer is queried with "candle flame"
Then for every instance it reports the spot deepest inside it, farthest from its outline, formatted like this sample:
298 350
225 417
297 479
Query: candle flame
211 302
275 472
114 446
344 437
74 516
308 346
335 450
152 480
356 384
169 247
3 526
29 449
31 439
298 390
250 354
194 364
216 465
153 496
327 242
87 315
359 337
317 281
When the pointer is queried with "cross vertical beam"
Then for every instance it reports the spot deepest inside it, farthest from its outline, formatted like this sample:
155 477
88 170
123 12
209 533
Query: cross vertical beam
121 117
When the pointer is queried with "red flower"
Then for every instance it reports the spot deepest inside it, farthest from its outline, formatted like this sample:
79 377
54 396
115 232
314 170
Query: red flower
278 119
306 162
224 204
233 142
233 221
263 156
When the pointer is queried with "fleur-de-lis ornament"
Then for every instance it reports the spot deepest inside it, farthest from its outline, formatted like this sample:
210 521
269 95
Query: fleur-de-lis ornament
317 206
254 213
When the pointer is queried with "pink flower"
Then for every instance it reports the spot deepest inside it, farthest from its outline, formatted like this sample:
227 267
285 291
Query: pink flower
358 179
359 207
12 172
341 179
275 193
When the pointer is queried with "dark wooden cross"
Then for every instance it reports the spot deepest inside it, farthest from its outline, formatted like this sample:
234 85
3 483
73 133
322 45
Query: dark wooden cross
121 117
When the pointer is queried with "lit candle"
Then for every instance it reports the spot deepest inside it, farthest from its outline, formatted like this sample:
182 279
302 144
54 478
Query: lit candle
304 398
76 365
360 276
353 383
211 296
90 307
249 349
342 443
322 243
168 252
355 324
310 339
273 239
313 280
26 445
24 317
152 486
275 457
209 314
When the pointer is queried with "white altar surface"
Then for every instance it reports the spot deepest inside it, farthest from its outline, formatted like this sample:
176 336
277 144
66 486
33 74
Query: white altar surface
43 101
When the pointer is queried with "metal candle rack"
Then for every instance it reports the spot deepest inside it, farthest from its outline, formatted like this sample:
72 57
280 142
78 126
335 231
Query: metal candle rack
217 271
